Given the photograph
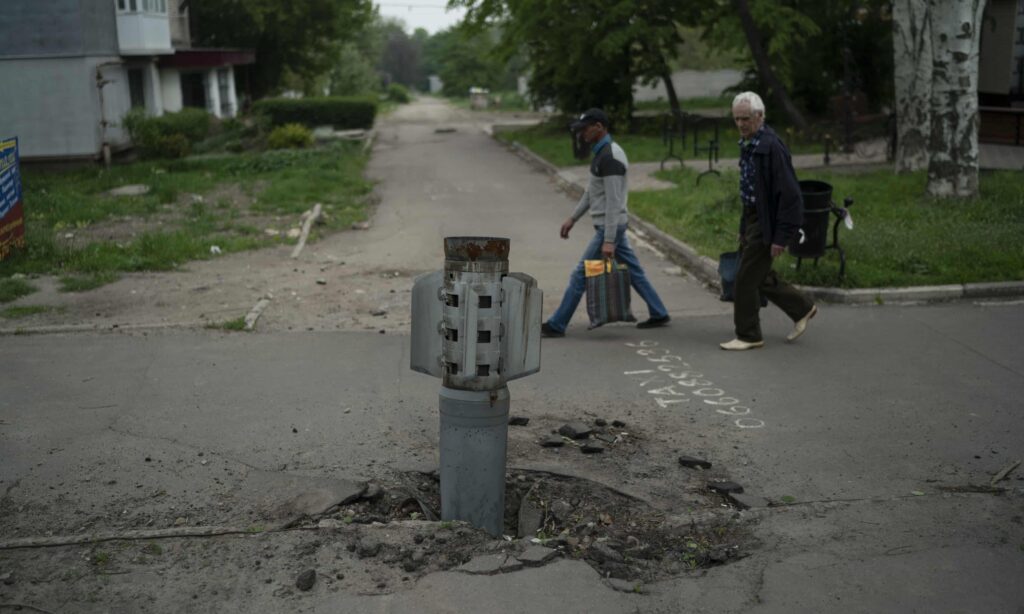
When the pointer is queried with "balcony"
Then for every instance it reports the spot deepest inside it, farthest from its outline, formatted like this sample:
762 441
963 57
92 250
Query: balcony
181 37
144 33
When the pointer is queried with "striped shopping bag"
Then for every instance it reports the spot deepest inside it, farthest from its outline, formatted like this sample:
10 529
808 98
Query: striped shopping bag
607 292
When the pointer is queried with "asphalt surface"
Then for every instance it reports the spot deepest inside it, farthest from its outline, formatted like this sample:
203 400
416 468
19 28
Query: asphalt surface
879 429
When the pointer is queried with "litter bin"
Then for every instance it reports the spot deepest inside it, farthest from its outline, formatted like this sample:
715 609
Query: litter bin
811 241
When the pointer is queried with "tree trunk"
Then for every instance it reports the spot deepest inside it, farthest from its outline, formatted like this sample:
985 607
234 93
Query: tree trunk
764 67
912 61
673 100
956 39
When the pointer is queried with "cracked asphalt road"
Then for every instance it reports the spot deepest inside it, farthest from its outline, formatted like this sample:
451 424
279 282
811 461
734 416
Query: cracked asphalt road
874 435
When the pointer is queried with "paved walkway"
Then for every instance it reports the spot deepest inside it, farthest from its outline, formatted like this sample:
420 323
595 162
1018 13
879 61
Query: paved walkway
1002 157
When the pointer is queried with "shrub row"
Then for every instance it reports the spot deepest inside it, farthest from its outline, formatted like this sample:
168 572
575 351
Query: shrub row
399 93
168 136
343 113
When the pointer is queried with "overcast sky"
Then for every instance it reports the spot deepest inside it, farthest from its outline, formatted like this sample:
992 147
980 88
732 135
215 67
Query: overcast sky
430 15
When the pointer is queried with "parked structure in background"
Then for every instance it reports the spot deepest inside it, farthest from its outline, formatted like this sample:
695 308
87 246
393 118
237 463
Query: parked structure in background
1001 73
71 69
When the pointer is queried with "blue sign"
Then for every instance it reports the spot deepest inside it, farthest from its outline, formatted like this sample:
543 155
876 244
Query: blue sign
10 177
12 210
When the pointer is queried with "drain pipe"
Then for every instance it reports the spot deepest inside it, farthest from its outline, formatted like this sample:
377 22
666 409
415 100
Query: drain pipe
100 83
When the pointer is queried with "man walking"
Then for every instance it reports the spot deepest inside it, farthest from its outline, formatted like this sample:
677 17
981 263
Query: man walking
606 198
772 215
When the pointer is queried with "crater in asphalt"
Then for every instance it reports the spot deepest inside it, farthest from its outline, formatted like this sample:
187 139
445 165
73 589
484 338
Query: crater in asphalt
619 535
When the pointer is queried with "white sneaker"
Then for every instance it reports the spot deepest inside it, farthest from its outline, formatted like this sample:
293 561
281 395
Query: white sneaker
738 345
801 324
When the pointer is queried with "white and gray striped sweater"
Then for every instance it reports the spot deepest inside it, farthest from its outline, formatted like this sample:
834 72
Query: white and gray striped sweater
607 193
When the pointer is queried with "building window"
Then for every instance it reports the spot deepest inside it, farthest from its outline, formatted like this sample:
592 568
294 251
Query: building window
136 89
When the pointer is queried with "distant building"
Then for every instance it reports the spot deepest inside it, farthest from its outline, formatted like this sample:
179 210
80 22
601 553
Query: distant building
436 85
71 69
1001 72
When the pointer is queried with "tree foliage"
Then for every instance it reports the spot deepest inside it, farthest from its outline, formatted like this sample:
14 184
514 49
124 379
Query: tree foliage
298 38
467 57
806 40
586 53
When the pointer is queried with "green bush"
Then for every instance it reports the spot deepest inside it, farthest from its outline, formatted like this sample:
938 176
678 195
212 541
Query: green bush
167 136
398 93
341 112
173 146
290 136
194 124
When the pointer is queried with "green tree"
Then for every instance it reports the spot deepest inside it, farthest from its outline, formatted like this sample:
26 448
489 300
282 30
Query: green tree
588 53
808 51
464 58
400 58
301 39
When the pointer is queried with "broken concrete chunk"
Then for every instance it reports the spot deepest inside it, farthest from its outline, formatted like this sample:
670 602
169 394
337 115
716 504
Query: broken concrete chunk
552 441
745 502
562 510
575 430
694 463
725 488
518 421
624 586
486 564
531 518
368 549
537 555
306 580
593 447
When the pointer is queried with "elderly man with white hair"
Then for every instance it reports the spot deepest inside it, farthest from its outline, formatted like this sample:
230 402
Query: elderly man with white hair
772 215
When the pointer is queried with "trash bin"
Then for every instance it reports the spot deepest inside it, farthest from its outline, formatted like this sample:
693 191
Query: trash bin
810 243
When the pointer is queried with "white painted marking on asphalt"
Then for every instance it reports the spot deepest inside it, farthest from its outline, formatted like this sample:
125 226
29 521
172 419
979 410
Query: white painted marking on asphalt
679 373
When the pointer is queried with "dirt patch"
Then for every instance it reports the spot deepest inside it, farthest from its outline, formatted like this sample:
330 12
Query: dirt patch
621 536
231 202
379 544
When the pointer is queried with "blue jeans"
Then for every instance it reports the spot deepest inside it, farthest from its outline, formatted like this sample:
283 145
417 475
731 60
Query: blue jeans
624 254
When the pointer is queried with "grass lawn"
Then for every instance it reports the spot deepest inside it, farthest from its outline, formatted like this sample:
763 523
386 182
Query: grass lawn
74 229
12 313
900 236
13 289
552 142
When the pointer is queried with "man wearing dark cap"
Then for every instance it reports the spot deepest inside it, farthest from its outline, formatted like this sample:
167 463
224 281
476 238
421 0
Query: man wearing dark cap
605 197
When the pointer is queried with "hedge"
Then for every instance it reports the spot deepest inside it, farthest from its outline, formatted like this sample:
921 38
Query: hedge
167 136
344 113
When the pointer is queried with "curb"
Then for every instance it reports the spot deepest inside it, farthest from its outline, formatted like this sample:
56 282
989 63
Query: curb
706 269
97 328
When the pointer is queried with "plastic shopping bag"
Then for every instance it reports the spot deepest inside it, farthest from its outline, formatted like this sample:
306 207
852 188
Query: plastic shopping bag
607 292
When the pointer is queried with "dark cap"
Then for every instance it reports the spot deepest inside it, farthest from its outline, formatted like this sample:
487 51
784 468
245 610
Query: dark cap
590 116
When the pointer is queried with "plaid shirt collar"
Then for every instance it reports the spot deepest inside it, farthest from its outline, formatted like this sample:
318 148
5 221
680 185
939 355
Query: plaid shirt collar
751 145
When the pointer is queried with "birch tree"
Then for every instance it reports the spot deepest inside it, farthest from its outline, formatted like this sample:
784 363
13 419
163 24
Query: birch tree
912 67
953 146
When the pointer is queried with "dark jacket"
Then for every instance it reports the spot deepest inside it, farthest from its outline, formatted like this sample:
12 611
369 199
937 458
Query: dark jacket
780 207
